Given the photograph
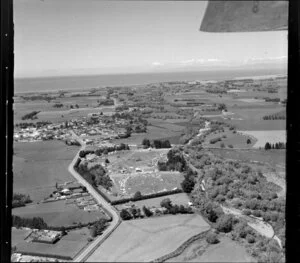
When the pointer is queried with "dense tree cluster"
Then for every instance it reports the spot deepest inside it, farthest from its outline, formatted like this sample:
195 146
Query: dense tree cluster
277 146
157 144
222 106
189 180
235 184
35 222
215 140
95 175
20 200
30 116
175 162
98 228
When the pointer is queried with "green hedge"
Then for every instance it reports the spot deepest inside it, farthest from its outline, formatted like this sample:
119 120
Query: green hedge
144 197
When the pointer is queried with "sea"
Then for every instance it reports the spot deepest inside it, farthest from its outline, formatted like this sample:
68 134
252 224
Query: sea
61 83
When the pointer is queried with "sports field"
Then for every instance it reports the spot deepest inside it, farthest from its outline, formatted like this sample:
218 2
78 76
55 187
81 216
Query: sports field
144 240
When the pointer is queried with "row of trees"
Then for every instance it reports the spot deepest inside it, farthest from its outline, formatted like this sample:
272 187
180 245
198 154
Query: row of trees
104 150
158 144
38 97
275 117
174 209
39 124
133 212
272 99
277 145
58 105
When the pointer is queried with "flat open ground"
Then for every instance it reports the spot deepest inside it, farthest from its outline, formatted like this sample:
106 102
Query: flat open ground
225 251
147 239
37 166
266 136
68 247
58 213
177 199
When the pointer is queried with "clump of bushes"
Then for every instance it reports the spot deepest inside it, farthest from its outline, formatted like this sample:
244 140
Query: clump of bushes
30 116
20 200
212 238
214 140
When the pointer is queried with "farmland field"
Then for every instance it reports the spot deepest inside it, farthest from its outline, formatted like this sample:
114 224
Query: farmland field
18 235
58 213
274 157
225 251
38 166
235 139
147 239
267 136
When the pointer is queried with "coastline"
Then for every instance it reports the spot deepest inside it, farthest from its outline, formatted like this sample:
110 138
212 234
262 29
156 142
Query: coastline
85 83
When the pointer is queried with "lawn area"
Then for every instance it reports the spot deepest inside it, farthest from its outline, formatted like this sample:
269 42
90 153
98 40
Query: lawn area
225 251
266 136
177 199
147 239
58 213
37 166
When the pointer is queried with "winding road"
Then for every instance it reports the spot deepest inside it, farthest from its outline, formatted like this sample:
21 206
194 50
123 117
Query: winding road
88 251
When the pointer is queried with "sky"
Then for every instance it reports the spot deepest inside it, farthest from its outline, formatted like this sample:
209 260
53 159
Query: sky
79 37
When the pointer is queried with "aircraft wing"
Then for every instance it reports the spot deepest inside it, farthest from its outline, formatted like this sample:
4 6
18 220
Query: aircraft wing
245 16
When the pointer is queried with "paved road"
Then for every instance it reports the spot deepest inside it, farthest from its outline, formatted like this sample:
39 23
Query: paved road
102 202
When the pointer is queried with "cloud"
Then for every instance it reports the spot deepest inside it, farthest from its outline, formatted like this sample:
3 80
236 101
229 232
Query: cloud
157 64
198 61
264 60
